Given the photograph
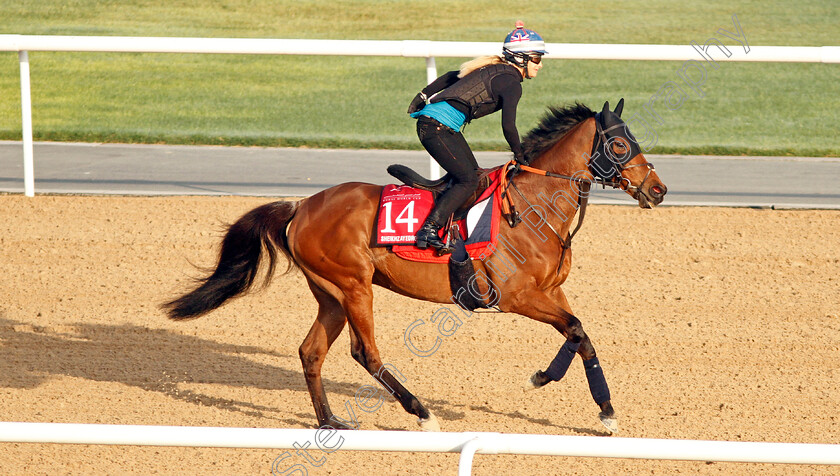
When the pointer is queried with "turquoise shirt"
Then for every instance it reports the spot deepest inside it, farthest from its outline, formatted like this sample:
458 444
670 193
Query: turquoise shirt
444 113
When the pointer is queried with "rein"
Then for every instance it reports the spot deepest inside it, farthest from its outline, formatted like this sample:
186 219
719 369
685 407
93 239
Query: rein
584 185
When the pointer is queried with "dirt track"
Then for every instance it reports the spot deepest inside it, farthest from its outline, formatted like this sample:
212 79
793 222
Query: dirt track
710 324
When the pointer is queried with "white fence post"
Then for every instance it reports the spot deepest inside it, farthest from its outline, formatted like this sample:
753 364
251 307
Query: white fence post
431 75
26 123
465 461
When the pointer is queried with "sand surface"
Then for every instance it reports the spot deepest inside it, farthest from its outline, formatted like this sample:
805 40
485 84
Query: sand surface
710 323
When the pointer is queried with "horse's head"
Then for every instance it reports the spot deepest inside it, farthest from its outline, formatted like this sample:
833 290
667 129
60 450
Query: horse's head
617 158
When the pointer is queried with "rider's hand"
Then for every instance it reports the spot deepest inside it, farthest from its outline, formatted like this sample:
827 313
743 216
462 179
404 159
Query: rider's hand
419 102
520 158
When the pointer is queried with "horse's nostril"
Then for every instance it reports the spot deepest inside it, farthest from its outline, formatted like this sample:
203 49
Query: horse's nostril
657 191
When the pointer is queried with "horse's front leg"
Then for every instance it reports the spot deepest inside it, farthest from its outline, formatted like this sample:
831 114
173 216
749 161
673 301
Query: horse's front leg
553 308
594 375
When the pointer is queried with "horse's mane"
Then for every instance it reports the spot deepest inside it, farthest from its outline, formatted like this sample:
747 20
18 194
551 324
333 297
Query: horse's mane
553 126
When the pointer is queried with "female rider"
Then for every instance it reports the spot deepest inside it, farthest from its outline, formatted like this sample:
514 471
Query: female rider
482 86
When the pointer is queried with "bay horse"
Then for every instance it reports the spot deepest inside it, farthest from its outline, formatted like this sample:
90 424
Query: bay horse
328 237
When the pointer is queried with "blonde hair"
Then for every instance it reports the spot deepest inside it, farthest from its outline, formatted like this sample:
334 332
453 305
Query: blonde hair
477 63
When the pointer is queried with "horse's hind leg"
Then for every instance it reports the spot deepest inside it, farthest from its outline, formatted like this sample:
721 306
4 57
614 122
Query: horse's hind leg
359 306
326 328
554 309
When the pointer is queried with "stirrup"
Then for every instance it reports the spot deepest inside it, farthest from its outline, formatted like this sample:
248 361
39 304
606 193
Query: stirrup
448 242
447 248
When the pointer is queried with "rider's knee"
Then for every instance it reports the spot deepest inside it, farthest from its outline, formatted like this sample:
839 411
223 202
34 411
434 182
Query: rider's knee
471 180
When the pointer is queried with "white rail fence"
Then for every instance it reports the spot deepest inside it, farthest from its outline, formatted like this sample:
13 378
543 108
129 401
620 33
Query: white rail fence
408 48
467 444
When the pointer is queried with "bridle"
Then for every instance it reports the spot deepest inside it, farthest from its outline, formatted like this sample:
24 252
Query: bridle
602 142
615 180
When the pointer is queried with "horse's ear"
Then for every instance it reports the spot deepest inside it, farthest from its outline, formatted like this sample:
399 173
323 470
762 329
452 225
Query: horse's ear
619 107
606 107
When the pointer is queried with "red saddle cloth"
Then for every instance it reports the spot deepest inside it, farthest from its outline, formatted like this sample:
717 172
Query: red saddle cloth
403 209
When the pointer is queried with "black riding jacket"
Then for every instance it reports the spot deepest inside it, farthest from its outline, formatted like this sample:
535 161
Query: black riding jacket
482 92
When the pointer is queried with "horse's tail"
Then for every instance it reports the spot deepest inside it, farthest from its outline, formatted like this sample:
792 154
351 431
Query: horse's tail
263 229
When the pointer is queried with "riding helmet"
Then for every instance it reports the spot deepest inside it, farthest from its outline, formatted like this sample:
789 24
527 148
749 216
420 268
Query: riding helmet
522 43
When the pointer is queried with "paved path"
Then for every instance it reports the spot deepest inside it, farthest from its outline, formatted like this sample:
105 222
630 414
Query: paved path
202 170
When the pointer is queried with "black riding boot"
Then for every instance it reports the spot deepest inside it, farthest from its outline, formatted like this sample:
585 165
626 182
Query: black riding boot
428 235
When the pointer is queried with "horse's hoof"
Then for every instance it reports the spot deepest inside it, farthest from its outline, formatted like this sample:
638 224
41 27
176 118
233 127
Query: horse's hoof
609 422
538 380
429 424
344 427
338 426
532 384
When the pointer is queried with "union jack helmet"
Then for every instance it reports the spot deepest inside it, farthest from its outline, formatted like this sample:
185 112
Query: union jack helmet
523 41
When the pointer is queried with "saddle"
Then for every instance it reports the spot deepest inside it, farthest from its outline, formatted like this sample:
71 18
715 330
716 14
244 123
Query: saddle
411 178
461 273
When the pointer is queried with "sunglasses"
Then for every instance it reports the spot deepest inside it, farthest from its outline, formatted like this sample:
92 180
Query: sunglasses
536 59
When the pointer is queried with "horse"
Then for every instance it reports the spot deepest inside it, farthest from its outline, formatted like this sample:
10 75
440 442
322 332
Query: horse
328 237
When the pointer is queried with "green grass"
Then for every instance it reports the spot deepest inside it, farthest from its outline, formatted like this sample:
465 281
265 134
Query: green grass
748 108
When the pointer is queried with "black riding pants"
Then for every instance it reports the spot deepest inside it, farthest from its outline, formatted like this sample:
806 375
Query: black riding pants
451 151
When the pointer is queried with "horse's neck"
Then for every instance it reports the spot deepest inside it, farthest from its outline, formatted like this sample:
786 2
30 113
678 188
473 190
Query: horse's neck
568 157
